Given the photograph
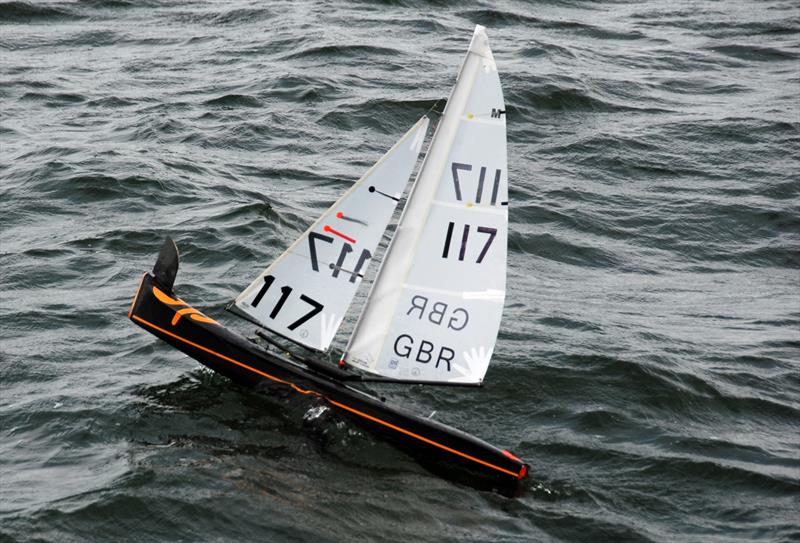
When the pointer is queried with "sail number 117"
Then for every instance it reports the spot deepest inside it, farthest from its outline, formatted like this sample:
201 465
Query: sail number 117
491 232
459 167
286 290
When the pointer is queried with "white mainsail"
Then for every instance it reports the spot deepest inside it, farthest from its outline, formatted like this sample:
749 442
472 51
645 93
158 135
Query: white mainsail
435 307
305 293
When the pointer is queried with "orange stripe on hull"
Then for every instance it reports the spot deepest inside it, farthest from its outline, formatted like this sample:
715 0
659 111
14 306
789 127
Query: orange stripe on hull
421 438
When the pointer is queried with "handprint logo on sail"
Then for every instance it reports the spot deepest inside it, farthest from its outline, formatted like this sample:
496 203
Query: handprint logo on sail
477 358
328 324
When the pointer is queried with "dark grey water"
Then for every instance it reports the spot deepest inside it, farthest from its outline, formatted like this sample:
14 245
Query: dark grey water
648 366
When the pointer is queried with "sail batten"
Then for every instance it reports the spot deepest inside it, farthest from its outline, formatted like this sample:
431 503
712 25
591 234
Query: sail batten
304 294
435 306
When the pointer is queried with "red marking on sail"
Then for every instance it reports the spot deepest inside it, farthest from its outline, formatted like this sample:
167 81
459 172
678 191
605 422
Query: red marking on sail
340 215
337 233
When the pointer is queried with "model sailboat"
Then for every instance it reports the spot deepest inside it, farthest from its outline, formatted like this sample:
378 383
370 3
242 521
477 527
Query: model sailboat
434 309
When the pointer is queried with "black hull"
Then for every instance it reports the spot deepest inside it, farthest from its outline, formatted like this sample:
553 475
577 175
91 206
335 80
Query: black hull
441 448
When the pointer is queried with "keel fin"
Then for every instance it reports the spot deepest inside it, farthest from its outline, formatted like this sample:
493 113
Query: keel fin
166 267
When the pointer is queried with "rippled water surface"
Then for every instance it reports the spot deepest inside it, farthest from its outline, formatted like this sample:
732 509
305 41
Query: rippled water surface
648 364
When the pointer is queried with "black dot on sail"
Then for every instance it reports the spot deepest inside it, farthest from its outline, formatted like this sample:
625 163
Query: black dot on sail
373 189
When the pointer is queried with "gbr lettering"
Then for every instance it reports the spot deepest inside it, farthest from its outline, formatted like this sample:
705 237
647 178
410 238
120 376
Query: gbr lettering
422 352
439 313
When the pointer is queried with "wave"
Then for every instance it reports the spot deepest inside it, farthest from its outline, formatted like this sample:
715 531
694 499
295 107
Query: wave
556 248
342 51
224 18
91 38
54 99
123 4
494 18
754 52
304 89
21 12
558 98
570 324
721 27
234 100
86 188
111 102
380 114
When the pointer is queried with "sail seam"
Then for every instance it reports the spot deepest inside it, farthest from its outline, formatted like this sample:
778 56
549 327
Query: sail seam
490 293
477 208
